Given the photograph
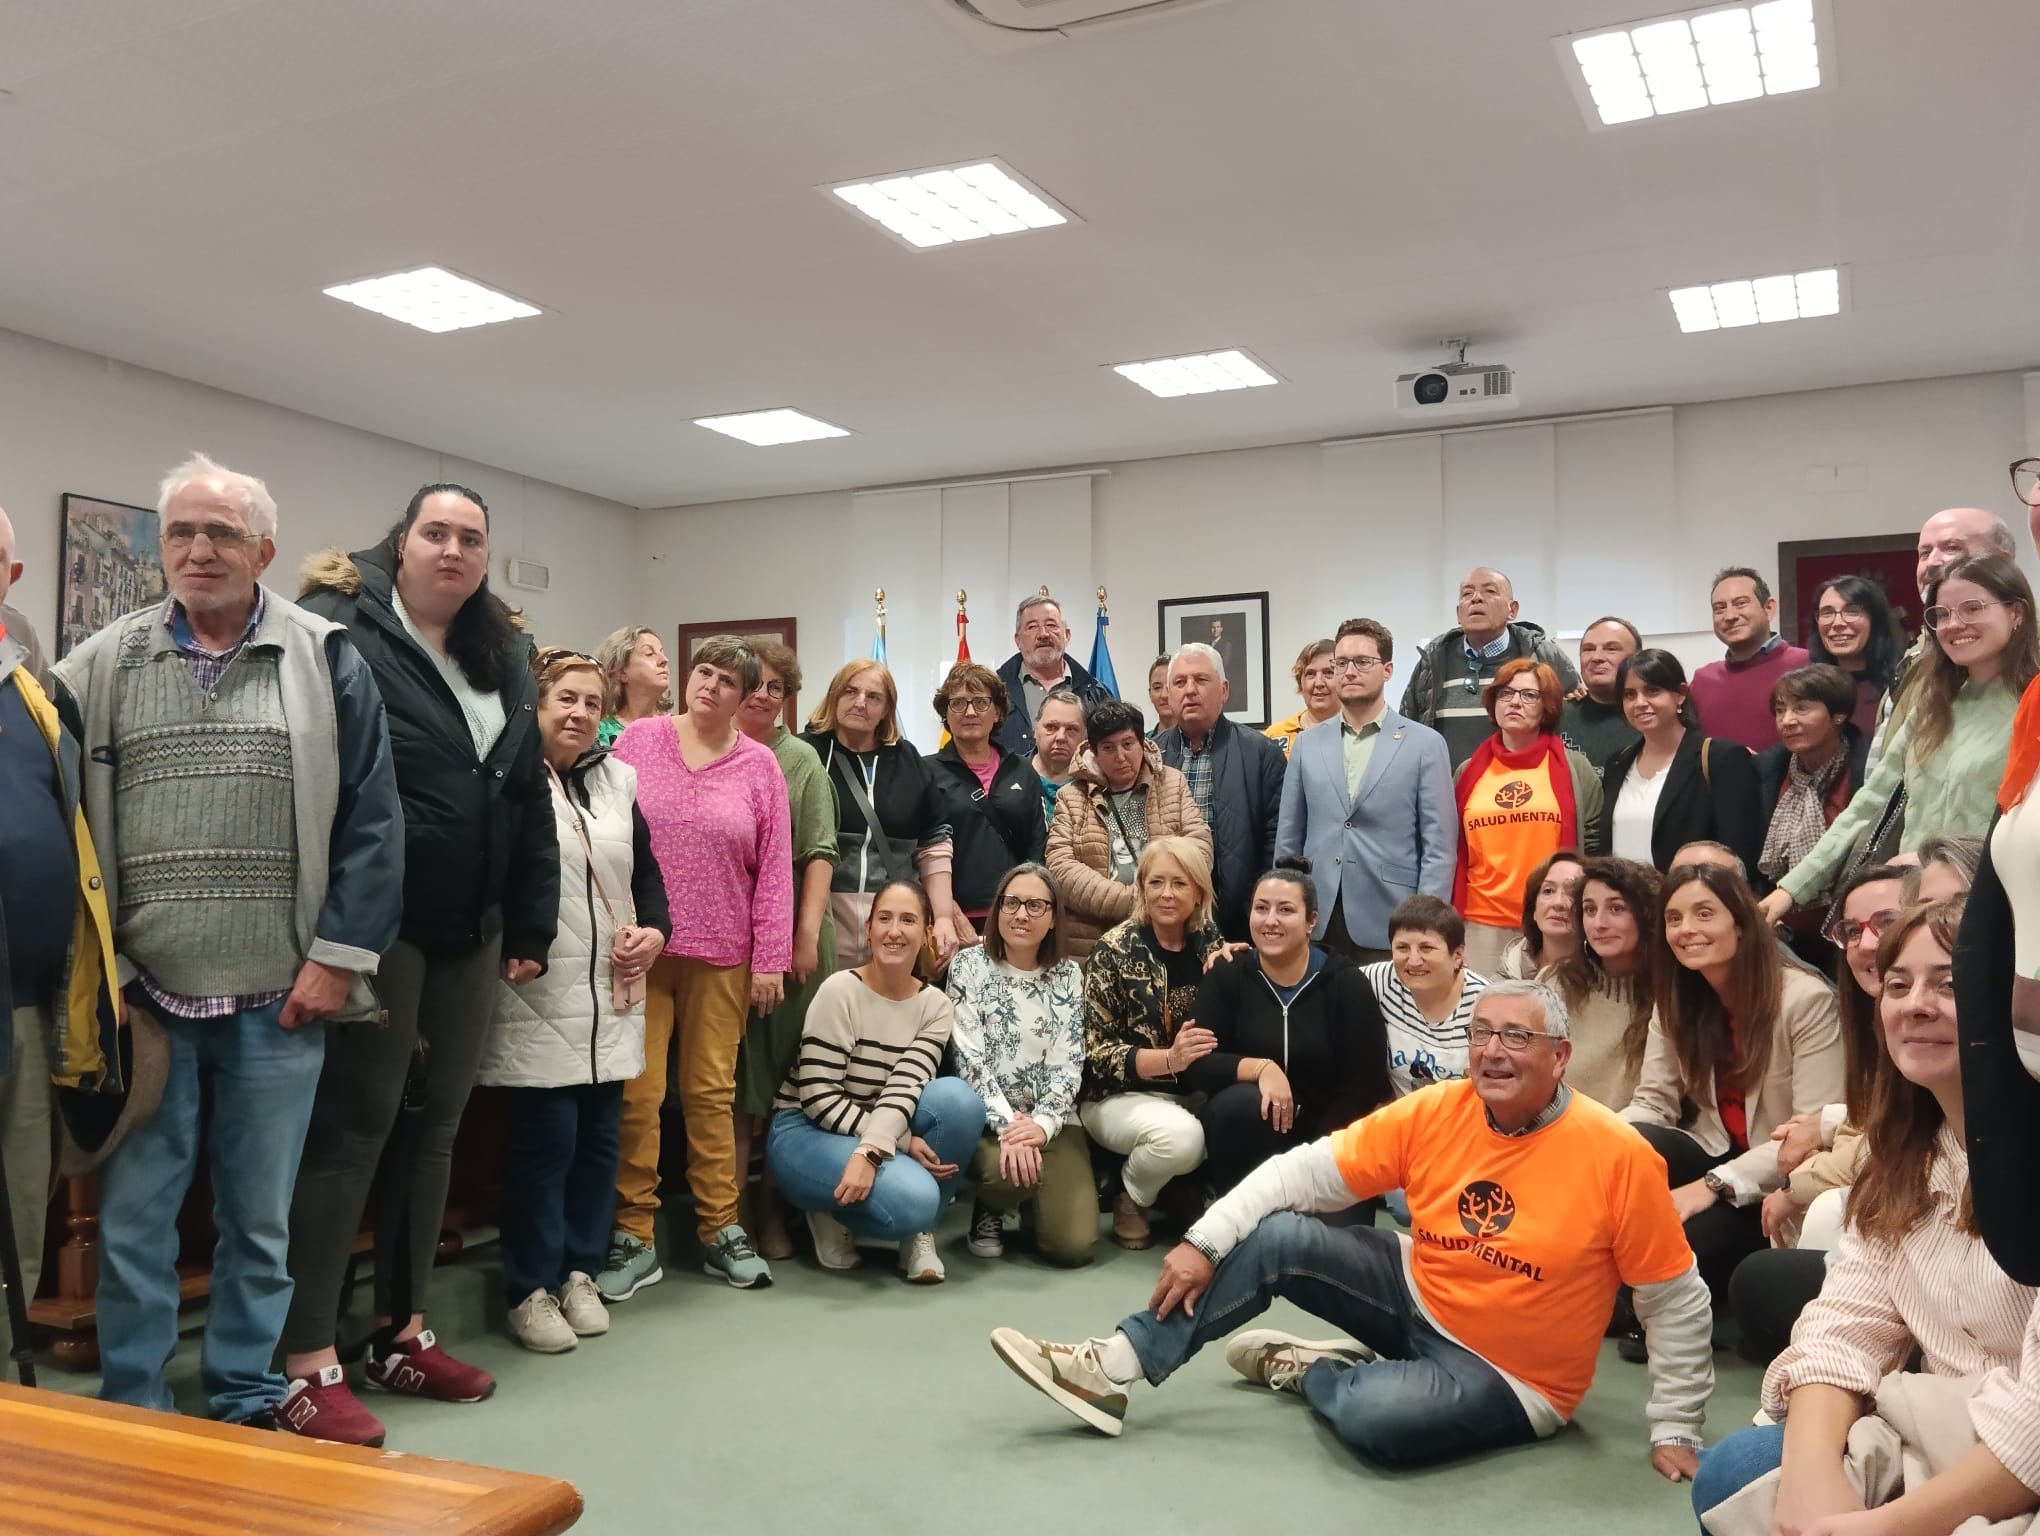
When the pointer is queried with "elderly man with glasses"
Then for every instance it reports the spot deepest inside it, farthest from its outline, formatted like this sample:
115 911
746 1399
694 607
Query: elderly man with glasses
1530 1206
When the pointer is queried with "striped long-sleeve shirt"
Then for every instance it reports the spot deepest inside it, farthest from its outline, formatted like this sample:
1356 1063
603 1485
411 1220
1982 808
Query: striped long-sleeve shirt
864 1060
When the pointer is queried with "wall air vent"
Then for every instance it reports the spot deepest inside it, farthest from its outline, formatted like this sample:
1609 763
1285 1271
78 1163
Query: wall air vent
1062 15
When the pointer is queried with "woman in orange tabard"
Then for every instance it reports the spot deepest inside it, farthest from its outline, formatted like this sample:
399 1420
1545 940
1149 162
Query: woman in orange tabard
1523 795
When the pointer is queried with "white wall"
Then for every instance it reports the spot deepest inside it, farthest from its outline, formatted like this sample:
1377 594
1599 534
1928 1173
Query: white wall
1630 513
74 422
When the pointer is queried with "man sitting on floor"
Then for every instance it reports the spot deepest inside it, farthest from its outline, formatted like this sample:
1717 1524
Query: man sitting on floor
1531 1204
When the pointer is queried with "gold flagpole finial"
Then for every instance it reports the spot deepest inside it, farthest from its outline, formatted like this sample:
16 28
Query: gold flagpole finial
962 597
1101 597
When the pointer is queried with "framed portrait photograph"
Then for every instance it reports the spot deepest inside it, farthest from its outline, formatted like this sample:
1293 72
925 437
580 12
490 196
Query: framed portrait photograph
784 631
112 564
1235 624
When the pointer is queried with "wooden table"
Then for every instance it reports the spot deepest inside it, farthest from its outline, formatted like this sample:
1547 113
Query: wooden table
71 1466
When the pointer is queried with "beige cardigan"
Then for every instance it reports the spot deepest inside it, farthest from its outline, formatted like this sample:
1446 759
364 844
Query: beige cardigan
1803 1077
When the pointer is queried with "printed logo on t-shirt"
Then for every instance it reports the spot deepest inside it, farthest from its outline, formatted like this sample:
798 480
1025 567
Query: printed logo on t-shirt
1486 1209
1514 794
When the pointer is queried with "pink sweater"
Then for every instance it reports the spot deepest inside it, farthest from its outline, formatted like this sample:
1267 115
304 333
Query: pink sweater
724 841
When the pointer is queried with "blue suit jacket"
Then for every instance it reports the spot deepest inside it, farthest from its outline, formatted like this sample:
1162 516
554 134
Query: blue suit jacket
1397 837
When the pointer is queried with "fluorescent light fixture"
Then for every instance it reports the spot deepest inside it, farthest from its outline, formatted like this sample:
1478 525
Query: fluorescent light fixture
433 299
975 200
1704 58
1758 300
768 429
1198 374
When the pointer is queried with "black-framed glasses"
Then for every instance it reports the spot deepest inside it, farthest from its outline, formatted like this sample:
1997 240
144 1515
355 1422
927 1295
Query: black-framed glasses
774 689
1356 664
1962 613
963 704
1033 906
1514 1037
1524 696
1849 930
2026 481
1846 611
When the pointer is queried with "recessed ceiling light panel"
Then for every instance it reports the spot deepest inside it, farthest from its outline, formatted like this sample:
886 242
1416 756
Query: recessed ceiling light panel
1200 373
768 429
433 299
952 204
1706 58
1758 300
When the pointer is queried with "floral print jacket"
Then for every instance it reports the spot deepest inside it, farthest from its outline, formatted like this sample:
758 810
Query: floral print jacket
1019 1038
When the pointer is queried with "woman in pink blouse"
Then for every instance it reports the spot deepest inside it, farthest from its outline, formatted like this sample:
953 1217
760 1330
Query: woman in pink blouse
716 804
1910 1274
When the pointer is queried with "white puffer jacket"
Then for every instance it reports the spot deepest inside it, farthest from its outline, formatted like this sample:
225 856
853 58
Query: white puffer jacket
560 1029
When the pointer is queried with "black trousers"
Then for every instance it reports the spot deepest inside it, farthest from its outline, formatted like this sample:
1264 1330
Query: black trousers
1721 1236
1768 1291
1237 1140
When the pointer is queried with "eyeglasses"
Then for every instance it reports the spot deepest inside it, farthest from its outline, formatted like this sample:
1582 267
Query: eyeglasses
1033 906
1848 931
1514 1037
552 655
2026 481
970 706
1523 696
1356 664
219 535
772 690
1848 611
1962 613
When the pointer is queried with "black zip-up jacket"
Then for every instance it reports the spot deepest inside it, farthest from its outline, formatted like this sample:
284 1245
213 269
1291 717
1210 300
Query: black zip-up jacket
993 829
1330 1042
481 855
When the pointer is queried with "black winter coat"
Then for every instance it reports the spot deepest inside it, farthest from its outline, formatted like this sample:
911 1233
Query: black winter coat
1246 802
481 855
994 829
1718 802
1331 1045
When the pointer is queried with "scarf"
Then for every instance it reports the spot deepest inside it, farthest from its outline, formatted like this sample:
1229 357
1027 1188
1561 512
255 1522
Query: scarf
1548 749
2024 761
1801 817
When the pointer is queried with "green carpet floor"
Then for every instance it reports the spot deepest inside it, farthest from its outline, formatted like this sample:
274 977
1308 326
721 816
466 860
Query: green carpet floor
853 1403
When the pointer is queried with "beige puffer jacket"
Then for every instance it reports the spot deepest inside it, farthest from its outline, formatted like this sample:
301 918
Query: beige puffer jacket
1080 843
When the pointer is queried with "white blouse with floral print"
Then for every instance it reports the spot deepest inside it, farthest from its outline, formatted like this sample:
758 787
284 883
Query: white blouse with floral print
1019 1037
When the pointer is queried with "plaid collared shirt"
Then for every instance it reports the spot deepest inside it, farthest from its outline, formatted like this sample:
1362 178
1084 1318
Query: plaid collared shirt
207 667
1197 773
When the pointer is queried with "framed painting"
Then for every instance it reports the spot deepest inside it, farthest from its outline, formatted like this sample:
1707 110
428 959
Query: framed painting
1807 565
785 631
111 564
1235 624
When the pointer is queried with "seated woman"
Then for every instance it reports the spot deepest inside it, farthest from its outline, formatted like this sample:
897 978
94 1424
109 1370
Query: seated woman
1742 1043
1606 980
562 1045
1806 781
1301 1050
1548 932
1141 1032
1675 786
1425 992
1909 1276
865 1138
1019 1042
1120 795
1820 1154
991 797
1522 796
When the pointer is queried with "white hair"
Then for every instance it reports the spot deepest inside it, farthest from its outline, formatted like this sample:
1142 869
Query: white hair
249 495
1557 1018
1199 648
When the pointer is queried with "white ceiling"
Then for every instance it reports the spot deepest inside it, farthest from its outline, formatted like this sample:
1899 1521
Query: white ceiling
1332 184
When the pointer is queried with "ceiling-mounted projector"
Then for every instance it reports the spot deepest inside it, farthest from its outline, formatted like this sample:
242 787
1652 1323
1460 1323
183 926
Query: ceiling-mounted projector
1450 388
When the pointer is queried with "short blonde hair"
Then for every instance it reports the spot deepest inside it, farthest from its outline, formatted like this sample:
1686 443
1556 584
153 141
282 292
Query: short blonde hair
823 720
1196 863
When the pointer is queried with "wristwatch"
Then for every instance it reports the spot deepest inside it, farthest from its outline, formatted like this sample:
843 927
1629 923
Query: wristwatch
1720 1186
873 1156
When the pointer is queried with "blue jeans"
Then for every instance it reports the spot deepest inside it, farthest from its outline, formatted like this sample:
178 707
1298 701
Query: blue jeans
1737 1462
262 1078
559 1183
905 1198
1425 1400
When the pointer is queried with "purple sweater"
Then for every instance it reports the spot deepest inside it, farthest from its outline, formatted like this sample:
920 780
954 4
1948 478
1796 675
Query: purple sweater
724 841
1734 697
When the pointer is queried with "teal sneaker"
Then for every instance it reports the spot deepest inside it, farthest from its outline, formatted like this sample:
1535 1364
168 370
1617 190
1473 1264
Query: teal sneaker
631 1267
731 1257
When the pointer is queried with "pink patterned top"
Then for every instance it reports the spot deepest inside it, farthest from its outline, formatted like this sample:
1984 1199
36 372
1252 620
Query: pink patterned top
723 837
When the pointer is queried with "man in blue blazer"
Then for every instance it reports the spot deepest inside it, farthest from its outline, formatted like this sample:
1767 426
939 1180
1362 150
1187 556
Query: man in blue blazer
1368 800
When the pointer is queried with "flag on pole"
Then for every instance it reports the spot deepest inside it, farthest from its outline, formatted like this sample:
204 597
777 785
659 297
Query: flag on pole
1101 653
962 629
878 636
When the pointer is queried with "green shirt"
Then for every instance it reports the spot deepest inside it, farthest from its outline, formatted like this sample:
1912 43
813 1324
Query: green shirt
1359 750
811 799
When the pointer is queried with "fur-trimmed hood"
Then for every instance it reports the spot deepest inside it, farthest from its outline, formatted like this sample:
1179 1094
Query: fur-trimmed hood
336 570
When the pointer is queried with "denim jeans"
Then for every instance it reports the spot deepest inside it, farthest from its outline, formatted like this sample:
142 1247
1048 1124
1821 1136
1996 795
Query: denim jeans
1425 1400
559 1184
905 1198
262 1078
1735 1463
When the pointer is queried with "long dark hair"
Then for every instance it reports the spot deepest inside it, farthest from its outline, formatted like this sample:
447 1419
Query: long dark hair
1695 1022
1862 1042
1582 971
484 639
1660 669
1885 645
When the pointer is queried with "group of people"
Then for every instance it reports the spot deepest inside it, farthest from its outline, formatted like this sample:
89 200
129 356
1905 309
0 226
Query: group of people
1629 995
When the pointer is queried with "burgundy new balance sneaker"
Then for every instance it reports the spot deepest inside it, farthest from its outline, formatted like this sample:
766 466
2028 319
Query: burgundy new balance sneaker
420 1368
322 1408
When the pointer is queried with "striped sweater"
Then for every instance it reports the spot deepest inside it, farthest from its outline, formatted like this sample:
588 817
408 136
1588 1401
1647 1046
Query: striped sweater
864 1060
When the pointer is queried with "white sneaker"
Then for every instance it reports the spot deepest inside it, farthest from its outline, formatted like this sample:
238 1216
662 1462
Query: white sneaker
1276 1360
1069 1374
536 1323
581 1305
919 1261
835 1248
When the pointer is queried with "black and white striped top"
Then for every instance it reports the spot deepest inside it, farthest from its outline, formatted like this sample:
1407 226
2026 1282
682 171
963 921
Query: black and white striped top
1420 1052
864 1060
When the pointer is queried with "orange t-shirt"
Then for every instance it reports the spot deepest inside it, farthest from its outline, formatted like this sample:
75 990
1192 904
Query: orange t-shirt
1511 825
1519 1242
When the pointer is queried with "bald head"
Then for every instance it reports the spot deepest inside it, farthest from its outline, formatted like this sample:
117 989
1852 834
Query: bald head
1958 532
10 568
1487 602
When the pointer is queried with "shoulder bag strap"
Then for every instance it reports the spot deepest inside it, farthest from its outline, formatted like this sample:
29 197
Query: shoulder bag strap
1707 763
861 798
587 848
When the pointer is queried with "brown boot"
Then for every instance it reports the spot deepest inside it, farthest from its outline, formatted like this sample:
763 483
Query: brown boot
1130 1224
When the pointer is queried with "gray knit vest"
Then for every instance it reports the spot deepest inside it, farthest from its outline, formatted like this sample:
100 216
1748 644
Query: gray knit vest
208 833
